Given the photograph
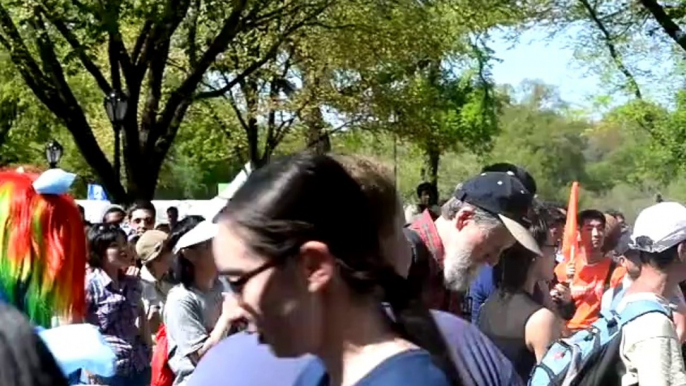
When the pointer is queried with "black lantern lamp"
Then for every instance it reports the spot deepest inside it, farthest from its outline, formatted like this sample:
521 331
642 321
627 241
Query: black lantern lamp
116 105
53 153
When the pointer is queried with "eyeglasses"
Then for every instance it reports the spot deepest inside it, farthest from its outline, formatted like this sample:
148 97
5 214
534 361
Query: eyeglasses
237 285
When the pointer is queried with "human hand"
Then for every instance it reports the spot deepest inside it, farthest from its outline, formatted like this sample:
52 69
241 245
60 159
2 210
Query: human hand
561 293
133 271
571 271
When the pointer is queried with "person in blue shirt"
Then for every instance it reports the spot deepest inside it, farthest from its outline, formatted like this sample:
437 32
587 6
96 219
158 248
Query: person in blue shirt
301 252
241 359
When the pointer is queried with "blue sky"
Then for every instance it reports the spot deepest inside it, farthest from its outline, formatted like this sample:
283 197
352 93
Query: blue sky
551 61
535 56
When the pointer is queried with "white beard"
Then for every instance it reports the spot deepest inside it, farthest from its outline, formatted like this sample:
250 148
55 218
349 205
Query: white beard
459 271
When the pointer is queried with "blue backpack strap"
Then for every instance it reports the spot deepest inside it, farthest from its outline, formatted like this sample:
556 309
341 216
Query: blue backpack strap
639 308
617 296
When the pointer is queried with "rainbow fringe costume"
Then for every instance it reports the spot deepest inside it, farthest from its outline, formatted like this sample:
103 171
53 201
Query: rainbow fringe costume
42 250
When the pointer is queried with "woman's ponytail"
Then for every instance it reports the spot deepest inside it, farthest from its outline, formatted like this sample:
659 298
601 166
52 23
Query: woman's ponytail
414 322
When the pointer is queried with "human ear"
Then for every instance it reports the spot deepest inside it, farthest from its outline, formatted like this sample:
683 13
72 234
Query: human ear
464 216
318 265
681 252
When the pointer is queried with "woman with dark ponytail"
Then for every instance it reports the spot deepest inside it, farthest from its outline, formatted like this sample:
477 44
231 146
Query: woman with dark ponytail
194 315
298 245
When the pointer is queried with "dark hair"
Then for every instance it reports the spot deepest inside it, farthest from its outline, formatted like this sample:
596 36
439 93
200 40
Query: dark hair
427 187
100 238
555 213
280 207
590 214
183 270
660 260
516 261
114 209
173 209
142 205
615 213
24 358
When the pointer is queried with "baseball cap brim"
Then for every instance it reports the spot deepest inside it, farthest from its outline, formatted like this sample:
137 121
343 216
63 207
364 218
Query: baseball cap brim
202 232
521 234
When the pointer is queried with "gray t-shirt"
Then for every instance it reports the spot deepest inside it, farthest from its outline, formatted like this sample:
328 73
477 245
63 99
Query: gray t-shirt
189 316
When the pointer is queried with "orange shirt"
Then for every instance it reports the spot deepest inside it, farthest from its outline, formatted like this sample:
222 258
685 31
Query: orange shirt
587 288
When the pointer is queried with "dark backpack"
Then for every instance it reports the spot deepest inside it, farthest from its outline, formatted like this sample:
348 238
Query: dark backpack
420 266
591 356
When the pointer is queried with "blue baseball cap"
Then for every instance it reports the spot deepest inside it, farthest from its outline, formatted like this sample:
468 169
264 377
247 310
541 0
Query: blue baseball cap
503 195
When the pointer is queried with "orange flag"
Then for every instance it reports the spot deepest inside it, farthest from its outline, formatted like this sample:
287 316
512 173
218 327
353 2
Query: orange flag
570 239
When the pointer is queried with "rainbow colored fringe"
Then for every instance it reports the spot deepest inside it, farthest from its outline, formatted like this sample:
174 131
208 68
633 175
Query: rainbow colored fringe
42 251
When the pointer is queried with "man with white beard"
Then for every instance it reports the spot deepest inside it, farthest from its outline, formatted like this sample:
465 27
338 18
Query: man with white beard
486 215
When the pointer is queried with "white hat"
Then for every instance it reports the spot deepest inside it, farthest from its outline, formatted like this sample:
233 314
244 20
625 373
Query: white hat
207 229
659 227
202 232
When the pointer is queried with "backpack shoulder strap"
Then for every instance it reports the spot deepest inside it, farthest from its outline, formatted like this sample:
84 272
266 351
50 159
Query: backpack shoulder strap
419 250
639 308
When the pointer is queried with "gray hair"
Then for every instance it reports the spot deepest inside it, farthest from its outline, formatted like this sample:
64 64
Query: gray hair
485 219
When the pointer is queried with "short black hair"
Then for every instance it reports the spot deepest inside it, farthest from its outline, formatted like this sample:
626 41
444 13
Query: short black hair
660 260
554 213
113 209
142 205
615 213
100 238
173 209
590 214
427 187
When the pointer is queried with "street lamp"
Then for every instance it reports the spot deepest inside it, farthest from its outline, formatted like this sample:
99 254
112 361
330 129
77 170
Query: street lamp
115 106
53 153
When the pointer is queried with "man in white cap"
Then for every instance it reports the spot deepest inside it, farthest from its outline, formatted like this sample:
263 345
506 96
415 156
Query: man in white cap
650 348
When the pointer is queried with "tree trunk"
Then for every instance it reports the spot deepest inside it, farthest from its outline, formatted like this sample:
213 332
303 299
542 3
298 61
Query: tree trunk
433 157
318 140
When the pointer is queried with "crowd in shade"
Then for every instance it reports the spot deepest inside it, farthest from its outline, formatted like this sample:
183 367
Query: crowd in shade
315 273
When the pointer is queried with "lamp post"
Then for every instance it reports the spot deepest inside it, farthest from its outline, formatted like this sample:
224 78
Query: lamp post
53 153
116 105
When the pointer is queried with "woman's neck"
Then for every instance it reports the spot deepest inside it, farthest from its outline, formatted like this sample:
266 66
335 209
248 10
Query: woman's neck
113 272
204 281
530 284
351 350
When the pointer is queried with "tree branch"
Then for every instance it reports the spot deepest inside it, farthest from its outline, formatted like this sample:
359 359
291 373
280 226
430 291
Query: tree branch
182 93
239 113
140 40
249 70
23 59
614 54
88 64
666 22
192 33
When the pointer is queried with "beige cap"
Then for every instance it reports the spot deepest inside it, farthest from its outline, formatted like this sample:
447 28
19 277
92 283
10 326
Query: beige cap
150 245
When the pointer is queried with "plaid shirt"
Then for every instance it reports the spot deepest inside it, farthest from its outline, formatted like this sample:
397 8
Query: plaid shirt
437 296
114 312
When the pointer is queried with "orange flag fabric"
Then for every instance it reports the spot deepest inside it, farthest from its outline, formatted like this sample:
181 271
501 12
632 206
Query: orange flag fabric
570 239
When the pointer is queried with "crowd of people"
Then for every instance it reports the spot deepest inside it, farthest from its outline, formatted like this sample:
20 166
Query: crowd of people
314 274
